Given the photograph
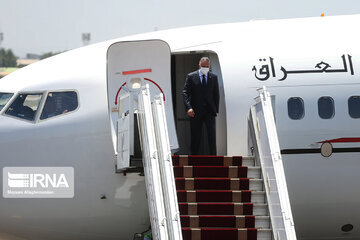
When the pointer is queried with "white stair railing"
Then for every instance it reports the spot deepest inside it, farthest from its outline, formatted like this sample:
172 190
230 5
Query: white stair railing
166 168
265 141
158 168
151 166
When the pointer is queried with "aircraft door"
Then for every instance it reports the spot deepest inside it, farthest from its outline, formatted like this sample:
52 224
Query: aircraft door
131 65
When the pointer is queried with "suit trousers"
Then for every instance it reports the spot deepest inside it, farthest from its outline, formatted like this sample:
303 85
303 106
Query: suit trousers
196 126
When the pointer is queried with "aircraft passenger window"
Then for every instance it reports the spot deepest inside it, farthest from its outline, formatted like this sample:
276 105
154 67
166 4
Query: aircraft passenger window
326 107
25 106
58 103
296 108
4 98
354 106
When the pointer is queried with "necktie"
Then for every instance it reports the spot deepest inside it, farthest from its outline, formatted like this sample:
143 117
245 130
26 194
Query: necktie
203 81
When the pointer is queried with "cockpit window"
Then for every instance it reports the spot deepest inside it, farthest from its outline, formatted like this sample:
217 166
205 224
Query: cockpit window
4 98
25 106
296 109
58 103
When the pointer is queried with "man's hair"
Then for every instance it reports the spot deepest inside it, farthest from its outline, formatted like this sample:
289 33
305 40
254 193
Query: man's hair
204 59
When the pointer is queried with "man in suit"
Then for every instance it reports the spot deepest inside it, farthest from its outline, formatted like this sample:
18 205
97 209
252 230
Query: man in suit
201 99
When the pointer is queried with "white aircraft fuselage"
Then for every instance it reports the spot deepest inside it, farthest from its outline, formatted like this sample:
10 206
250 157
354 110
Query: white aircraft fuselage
305 60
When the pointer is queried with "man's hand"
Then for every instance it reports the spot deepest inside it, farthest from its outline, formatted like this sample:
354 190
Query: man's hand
191 113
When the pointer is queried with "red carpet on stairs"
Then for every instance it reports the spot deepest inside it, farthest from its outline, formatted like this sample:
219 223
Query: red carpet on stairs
216 208
212 183
211 171
216 234
214 198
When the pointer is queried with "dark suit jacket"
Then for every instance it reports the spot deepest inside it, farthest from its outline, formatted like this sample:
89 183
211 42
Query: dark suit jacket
200 99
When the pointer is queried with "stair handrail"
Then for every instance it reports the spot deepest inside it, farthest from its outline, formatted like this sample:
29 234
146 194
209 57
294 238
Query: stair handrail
151 166
267 152
166 169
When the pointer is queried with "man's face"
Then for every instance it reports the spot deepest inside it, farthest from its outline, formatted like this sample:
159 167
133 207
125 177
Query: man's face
204 64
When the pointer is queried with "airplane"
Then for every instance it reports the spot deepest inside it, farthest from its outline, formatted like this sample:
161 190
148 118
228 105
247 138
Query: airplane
63 111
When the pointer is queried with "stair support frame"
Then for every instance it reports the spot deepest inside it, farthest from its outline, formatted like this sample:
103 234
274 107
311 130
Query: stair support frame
264 136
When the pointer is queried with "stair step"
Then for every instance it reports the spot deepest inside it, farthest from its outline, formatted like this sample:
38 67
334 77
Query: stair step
198 160
223 209
195 221
226 233
260 209
254 172
221 196
217 171
218 184
262 222
264 234
248 161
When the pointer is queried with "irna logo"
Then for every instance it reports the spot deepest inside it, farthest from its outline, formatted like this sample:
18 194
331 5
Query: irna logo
38 182
19 180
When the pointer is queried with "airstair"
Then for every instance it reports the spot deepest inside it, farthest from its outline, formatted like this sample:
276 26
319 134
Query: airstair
212 197
229 197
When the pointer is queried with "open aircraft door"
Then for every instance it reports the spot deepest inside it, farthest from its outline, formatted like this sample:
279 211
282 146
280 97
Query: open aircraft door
130 65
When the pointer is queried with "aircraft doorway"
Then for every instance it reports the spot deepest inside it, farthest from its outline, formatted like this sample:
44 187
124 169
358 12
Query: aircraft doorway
181 65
